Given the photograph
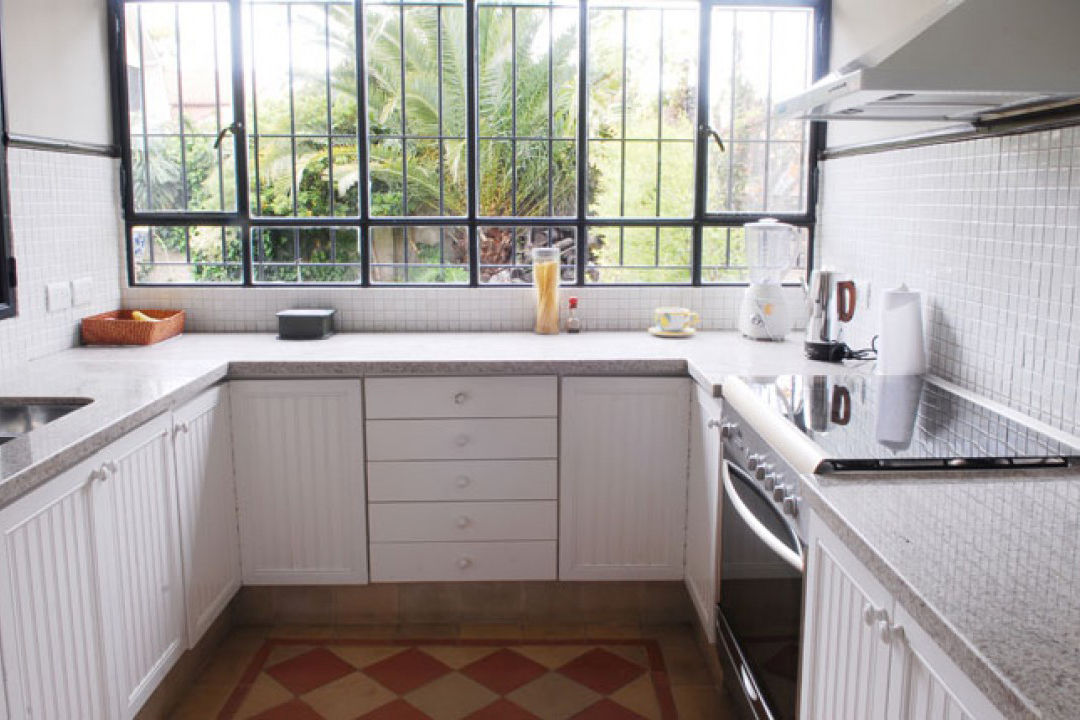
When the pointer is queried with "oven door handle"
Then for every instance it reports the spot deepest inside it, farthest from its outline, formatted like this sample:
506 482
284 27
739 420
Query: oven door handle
786 554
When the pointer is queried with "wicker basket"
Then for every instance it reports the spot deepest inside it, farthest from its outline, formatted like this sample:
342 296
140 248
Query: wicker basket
117 327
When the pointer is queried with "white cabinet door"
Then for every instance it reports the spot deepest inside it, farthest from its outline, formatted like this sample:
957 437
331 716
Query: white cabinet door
924 683
206 490
50 632
702 508
299 458
845 661
138 544
623 478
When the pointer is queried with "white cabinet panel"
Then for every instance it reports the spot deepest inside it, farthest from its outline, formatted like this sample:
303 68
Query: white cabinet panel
463 480
460 397
138 544
207 497
440 562
51 633
623 478
298 449
845 663
461 521
702 508
485 439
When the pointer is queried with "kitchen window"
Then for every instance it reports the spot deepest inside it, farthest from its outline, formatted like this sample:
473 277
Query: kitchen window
437 142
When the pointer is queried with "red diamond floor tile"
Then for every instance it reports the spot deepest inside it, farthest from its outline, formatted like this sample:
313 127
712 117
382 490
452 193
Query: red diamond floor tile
397 710
607 710
310 670
502 709
602 671
292 710
504 671
407 670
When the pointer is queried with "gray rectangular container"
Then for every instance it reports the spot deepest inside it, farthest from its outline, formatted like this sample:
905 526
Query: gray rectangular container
305 324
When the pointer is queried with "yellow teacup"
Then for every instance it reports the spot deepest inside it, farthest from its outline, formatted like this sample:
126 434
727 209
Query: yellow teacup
675 319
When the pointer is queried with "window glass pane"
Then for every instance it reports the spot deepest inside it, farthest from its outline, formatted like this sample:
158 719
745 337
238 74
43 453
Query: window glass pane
305 255
527 107
723 256
639 254
758 57
416 83
186 254
179 98
506 252
642 87
420 254
302 103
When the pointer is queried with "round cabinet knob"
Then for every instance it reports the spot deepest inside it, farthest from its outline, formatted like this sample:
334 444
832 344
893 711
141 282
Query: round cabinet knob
463 522
460 398
889 632
464 563
462 481
779 492
753 461
772 480
763 471
461 440
791 505
869 614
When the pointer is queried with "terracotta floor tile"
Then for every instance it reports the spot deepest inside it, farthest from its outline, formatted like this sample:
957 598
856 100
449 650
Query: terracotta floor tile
502 709
293 710
310 670
360 656
407 670
684 662
639 696
702 702
552 656
607 710
553 697
504 671
634 653
397 710
458 656
264 694
281 653
451 697
601 671
348 697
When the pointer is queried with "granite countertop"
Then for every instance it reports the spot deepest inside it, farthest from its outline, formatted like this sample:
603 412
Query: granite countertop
130 385
989 566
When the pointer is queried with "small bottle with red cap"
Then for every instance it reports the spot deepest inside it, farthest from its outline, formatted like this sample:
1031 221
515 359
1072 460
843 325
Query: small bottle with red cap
573 322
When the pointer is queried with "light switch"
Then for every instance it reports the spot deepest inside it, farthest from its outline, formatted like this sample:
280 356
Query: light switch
81 291
58 296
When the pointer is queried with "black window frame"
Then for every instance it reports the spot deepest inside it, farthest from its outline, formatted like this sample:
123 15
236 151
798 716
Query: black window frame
8 280
245 222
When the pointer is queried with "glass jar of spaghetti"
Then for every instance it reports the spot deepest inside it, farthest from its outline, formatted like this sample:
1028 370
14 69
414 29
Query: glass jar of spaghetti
545 264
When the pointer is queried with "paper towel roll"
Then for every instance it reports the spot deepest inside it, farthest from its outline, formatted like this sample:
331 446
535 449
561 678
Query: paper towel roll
901 348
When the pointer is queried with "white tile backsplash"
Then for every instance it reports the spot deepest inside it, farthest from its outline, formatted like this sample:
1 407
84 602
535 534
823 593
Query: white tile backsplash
65 218
989 231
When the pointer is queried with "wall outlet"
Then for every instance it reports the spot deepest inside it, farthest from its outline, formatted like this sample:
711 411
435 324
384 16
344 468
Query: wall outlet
82 290
58 296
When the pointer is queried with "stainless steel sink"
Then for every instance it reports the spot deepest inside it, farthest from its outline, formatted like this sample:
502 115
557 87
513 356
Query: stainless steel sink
21 415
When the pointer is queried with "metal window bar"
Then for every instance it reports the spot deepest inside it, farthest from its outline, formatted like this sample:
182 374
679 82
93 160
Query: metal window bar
243 220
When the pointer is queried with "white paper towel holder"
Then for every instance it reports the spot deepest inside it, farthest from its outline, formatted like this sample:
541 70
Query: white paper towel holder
901 345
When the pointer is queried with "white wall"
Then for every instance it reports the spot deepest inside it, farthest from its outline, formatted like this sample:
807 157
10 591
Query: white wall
56 69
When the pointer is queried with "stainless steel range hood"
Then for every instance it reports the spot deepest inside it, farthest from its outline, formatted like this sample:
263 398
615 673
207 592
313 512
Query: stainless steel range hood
965 61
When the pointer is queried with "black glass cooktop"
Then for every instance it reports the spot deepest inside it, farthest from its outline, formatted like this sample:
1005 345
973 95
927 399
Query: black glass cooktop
904 422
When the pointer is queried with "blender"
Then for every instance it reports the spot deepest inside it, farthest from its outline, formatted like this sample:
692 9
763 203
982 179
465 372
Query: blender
771 249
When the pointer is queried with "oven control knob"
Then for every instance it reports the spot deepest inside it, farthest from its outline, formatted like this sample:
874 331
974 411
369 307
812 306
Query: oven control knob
763 470
728 429
779 492
791 505
753 460
772 479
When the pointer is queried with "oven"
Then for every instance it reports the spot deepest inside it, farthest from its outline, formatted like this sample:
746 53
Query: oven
762 551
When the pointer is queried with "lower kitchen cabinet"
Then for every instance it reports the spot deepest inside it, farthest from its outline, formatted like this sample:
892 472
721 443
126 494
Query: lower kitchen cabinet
298 451
623 478
138 553
702 508
864 656
207 497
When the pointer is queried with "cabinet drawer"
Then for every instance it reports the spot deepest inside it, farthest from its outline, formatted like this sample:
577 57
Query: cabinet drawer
438 562
463 480
459 397
462 439
463 521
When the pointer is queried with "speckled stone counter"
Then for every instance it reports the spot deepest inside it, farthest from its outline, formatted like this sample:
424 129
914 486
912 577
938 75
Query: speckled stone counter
989 565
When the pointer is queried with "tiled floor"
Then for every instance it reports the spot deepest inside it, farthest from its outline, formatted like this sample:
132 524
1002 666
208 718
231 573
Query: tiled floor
451 672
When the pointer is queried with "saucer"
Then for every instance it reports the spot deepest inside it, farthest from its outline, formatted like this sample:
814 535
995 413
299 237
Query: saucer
685 333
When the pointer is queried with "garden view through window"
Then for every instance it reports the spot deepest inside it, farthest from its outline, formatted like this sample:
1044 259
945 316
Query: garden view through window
380 142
